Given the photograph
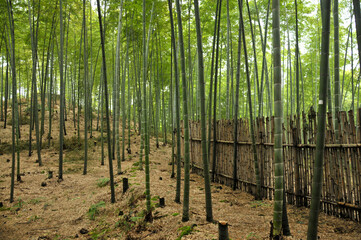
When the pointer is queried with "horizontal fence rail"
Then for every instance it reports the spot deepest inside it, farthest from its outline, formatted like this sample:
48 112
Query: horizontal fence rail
341 190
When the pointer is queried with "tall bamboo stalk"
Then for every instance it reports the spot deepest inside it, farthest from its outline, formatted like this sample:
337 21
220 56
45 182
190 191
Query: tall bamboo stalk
207 184
106 104
322 104
215 95
236 106
278 202
185 216
176 74
357 12
85 92
117 76
336 66
14 97
61 132
144 107
255 159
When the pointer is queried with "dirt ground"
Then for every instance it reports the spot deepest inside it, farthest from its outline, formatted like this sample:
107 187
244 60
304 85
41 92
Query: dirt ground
79 207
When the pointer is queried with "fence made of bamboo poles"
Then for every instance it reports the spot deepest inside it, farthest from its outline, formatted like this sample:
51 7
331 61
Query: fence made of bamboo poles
341 191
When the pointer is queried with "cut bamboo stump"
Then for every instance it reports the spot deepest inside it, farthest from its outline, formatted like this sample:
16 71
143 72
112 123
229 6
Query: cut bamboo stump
161 202
125 185
223 230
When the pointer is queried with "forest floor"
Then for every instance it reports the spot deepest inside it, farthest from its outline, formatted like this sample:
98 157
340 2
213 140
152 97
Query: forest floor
79 207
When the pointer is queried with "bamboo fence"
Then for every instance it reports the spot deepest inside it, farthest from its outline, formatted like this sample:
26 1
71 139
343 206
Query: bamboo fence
341 190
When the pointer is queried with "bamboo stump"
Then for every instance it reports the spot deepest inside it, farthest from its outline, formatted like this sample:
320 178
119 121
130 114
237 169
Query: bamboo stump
125 185
223 230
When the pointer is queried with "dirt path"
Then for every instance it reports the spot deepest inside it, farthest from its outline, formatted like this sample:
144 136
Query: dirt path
61 210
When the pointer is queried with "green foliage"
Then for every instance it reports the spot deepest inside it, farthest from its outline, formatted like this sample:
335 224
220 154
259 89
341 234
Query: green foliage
98 233
128 222
133 169
256 204
94 210
73 170
28 109
73 157
186 230
34 201
155 198
33 218
72 143
102 182
252 236
175 214
136 164
6 147
23 120
18 205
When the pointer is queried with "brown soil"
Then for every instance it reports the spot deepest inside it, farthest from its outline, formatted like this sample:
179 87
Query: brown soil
60 210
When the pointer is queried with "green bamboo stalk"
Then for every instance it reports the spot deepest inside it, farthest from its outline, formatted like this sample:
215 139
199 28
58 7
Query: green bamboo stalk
14 97
117 75
357 12
278 202
207 184
236 108
322 104
61 132
124 116
255 159
185 216
211 80
106 104
177 107
255 63
144 108
51 92
85 92
336 67
215 96
35 106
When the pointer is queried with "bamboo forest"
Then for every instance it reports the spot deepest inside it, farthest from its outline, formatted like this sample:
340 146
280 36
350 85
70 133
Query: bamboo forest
180 119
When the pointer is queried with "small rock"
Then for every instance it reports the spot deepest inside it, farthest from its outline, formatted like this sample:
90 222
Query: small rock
83 231
43 237
43 184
